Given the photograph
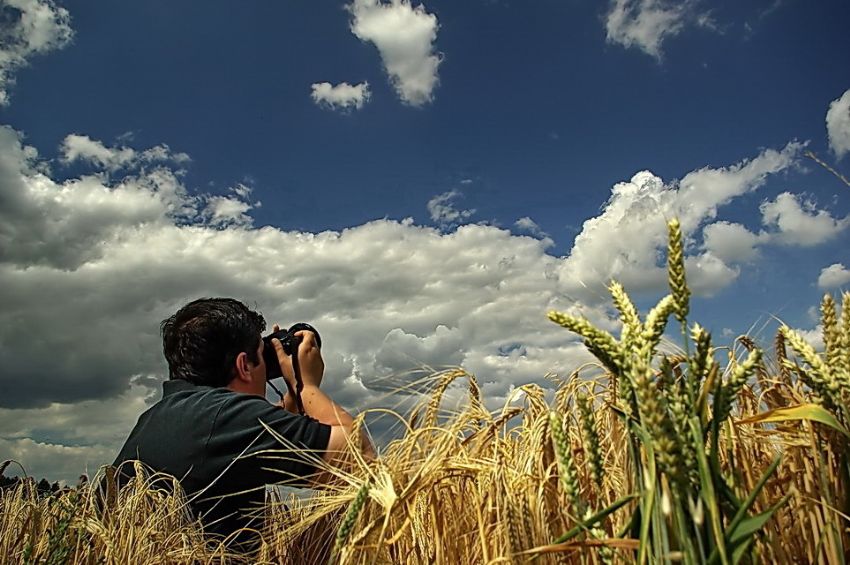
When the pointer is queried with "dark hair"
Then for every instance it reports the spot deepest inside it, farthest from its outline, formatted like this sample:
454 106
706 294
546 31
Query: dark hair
202 340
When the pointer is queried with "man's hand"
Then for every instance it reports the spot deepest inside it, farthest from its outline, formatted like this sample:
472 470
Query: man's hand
310 362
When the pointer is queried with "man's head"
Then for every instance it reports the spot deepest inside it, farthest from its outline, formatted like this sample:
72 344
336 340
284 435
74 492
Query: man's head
208 341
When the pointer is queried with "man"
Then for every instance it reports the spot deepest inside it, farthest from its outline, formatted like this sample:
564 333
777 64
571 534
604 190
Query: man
208 429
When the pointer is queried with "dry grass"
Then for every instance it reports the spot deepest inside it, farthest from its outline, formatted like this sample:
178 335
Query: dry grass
687 458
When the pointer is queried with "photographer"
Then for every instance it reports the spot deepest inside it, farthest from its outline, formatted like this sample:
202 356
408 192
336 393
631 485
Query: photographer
209 428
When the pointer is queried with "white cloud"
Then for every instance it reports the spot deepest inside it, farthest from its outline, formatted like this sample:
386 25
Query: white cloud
89 267
30 27
814 336
230 211
404 36
82 147
646 24
730 242
77 147
799 222
626 241
443 211
528 225
788 219
55 461
63 440
342 96
838 125
834 276
226 211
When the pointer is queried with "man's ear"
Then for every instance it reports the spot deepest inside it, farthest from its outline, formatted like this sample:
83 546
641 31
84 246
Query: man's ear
242 368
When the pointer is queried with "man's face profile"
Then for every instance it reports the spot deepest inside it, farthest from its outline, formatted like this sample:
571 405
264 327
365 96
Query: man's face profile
258 371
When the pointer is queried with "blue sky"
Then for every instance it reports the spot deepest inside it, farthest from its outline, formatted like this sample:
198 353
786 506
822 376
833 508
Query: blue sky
483 162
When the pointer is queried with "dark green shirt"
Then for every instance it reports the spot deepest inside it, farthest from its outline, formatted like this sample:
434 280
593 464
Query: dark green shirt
210 439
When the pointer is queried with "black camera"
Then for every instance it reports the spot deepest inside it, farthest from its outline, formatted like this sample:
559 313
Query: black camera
290 343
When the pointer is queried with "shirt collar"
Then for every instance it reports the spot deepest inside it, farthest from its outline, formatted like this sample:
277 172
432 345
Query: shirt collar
172 386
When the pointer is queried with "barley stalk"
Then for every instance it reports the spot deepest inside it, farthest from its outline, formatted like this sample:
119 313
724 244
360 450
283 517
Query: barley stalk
437 396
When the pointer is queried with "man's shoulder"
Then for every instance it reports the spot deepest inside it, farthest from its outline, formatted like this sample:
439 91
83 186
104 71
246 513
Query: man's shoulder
216 404
183 392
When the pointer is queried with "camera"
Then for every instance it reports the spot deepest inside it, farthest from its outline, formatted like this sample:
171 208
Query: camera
290 343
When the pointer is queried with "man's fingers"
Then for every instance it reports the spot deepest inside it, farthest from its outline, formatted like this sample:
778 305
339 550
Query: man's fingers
283 359
308 339
275 328
278 348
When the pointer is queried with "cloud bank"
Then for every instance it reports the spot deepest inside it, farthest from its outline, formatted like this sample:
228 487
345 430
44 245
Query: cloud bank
91 265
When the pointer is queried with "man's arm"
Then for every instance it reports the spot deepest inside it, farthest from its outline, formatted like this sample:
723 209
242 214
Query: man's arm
317 404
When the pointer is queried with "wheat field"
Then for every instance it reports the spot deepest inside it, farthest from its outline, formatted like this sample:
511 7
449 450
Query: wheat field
655 454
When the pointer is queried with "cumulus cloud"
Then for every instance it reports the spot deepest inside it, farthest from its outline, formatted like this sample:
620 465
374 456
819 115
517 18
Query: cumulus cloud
342 96
646 24
77 147
89 266
799 222
834 276
626 240
788 219
29 27
443 211
404 36
838 125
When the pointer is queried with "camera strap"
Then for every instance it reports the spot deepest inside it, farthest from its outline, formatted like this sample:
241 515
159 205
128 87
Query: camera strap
299 384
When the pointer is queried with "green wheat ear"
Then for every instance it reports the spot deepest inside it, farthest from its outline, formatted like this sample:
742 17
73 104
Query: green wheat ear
628 314
596 339
844 338
831 331
676 270
820 373
566 469
736 382
590 435
350 518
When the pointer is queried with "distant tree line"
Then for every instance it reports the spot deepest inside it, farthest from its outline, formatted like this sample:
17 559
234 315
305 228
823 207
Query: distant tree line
43 486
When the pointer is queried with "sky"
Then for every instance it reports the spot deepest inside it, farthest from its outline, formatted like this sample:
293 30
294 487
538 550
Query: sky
420 181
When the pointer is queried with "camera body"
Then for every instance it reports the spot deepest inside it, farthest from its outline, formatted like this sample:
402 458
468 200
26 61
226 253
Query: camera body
290 343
